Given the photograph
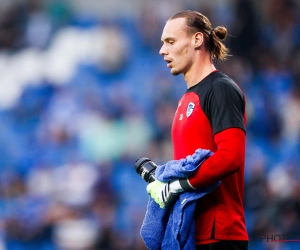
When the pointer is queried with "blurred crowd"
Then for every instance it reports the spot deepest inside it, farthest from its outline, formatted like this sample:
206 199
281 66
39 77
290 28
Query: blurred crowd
83 96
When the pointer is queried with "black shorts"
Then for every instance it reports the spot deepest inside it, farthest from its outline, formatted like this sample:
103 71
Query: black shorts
225 245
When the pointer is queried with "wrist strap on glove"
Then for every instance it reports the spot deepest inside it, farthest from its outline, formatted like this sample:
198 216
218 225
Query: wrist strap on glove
186 185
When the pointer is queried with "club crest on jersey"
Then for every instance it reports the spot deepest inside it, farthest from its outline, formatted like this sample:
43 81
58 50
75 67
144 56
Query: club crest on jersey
190 109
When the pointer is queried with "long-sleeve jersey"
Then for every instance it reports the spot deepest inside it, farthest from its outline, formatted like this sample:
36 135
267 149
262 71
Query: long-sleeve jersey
211 115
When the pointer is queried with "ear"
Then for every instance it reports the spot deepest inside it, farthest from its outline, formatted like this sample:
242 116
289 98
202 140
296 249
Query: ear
198 39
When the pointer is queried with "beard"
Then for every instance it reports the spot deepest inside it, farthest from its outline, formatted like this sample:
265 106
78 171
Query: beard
180 67
175 72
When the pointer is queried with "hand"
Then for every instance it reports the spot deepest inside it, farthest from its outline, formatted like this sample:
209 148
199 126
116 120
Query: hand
164 193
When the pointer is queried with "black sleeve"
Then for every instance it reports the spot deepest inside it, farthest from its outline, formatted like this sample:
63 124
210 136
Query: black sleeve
225 105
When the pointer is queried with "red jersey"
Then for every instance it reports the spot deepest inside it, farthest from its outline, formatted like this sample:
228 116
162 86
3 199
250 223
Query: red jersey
211 115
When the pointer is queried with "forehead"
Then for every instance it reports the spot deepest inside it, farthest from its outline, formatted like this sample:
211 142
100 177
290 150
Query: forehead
174 28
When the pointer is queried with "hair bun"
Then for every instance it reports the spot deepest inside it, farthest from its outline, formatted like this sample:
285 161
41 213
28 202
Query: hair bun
221 32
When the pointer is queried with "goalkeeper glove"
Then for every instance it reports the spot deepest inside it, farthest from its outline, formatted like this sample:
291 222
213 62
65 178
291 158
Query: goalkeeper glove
165 193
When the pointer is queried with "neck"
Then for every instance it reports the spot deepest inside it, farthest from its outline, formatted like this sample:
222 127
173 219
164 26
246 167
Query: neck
201 68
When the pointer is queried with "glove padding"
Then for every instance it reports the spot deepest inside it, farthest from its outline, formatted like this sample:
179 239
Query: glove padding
164 193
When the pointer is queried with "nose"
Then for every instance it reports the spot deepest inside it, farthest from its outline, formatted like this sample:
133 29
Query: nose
163 50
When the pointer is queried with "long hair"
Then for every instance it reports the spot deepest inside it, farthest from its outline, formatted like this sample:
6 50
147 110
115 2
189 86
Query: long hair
213 37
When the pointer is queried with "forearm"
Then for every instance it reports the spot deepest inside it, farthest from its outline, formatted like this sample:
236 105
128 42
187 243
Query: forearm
227 159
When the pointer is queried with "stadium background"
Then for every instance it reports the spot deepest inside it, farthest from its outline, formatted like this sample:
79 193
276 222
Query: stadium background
84 93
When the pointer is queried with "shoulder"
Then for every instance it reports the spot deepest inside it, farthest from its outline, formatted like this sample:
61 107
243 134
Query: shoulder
216 85
223 84
224 103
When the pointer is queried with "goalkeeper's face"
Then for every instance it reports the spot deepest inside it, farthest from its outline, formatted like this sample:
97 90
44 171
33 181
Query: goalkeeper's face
178 46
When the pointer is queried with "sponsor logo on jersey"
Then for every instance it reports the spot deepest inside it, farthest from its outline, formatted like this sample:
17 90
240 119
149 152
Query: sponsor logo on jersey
190 109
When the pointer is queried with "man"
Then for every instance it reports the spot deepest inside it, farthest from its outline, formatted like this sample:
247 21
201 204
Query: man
210 115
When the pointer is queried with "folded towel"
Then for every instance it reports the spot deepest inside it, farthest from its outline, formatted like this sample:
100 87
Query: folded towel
176 169
174 228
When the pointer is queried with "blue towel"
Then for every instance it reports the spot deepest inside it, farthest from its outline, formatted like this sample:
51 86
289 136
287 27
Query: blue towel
174 228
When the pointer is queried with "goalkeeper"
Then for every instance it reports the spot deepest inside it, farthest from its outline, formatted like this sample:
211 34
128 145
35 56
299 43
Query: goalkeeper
210 115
